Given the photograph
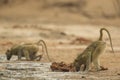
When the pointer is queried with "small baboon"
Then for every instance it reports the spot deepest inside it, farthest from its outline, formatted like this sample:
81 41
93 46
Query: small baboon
40 43
27 50
91 54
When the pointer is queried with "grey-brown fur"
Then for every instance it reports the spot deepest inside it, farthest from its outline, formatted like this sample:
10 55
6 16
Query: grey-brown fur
44 46
27 50
91 54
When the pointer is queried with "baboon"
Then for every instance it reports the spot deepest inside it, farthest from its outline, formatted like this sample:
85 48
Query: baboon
27 50
40 43
91 54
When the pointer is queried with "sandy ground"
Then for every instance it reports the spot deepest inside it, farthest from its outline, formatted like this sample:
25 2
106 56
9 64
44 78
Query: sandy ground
67 27
61 11
63 45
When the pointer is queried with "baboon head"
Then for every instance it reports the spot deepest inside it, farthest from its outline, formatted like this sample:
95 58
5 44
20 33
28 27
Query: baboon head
8 54
77 65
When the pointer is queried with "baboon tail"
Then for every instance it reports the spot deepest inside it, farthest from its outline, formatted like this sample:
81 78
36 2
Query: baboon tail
101 35
44 45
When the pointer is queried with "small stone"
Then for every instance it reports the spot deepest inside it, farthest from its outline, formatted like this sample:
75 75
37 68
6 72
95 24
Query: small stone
103 68
118 73
83 77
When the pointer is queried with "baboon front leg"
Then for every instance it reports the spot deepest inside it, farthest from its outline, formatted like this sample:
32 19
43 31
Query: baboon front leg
87 65
19 55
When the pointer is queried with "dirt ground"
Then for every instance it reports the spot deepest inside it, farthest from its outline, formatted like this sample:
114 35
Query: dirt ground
67 27
64 43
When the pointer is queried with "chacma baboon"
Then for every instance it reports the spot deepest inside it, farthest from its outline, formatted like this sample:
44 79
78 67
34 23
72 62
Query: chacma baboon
27 50
40 43
91 53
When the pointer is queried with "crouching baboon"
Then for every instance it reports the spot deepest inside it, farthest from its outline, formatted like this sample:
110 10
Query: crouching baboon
91 54
27 50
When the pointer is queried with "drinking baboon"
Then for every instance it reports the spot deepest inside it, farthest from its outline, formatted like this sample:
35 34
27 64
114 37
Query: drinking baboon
27 50
91 53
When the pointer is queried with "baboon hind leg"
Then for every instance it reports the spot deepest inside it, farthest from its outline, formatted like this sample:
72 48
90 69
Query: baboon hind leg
38 58
97 64
88 61
26 54
95 59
